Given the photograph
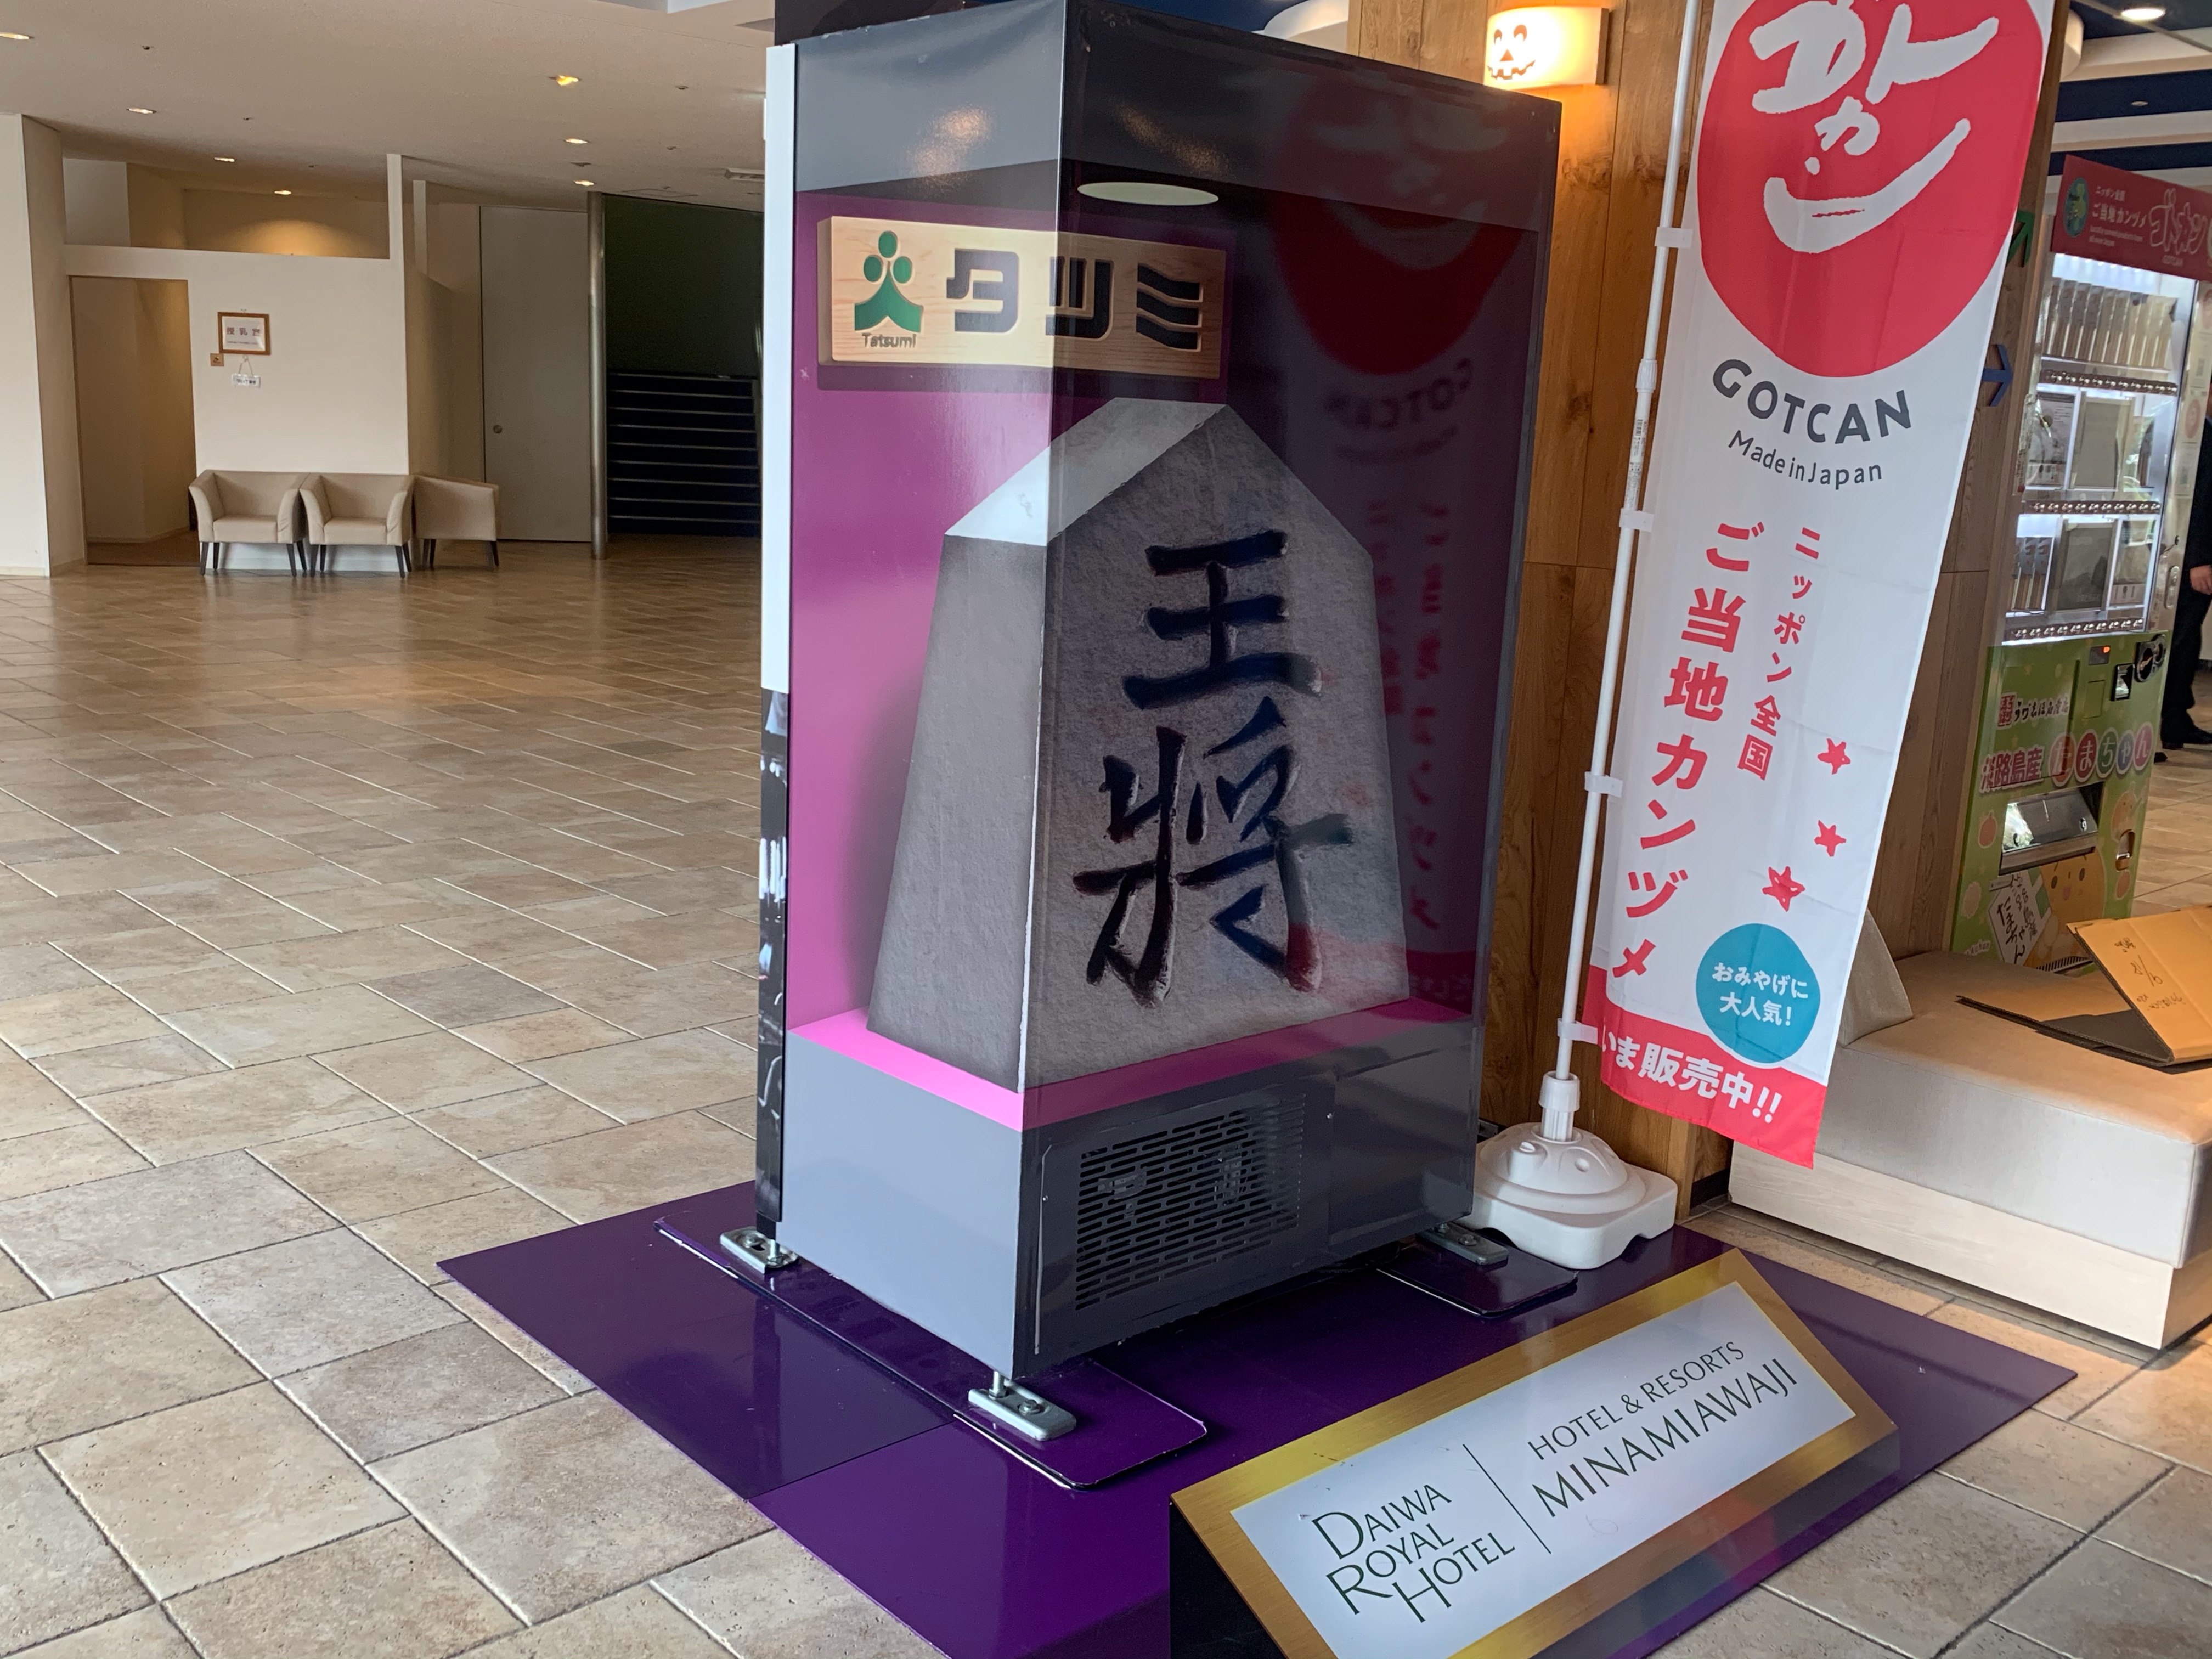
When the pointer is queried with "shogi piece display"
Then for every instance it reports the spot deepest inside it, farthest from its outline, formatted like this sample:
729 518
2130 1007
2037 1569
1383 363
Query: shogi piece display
1158 621
1158 411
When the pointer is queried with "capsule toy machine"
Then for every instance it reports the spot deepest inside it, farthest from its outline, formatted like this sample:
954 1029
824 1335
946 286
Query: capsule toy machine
1142 573
2084 606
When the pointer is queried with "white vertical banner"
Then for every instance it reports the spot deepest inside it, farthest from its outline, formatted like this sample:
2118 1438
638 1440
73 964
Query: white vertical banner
1856 170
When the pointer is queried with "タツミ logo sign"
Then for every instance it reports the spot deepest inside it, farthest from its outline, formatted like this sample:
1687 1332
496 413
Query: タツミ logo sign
1858 166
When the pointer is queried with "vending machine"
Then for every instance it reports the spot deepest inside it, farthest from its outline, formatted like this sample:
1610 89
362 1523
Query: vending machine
2107 465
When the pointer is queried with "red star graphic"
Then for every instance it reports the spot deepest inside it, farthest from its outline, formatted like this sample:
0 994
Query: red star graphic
1780 888
1828 839
1834 757
1631 962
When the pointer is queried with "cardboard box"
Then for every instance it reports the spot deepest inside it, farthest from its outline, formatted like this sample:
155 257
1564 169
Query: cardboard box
2152 1002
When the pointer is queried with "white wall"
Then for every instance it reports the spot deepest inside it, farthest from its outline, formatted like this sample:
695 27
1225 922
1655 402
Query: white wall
333 392
327 227
41 507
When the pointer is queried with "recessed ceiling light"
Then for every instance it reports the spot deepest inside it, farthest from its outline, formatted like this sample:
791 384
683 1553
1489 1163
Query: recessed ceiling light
10 34
1143 193
283 192
2140 103
135 110
565 80
2143 13
226 158
585 183
575 141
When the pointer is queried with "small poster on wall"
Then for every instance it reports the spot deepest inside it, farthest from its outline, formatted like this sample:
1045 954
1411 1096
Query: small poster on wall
245 332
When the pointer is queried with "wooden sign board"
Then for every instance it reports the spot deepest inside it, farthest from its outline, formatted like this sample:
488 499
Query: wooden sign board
900 291
1492 1512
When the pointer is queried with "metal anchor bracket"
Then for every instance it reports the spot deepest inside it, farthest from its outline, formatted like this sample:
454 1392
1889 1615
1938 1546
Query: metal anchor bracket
755 1249
1018 1408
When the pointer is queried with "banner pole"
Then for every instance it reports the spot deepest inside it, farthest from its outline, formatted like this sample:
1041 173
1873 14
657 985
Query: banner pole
1596 783
1561 1193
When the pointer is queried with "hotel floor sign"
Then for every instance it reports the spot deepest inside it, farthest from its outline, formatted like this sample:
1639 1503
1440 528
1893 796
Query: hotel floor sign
900 291
1493 1512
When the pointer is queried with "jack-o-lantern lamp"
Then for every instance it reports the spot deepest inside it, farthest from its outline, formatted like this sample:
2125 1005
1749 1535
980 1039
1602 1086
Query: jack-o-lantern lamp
1546 46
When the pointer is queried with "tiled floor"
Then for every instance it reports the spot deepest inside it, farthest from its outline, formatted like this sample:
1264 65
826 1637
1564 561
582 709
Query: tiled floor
2177 854
345 926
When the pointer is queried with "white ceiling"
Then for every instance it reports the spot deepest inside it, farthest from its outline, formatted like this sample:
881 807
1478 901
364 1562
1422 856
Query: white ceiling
315 93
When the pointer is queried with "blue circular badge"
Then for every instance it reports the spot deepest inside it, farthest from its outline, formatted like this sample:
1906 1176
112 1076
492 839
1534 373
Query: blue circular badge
1757 993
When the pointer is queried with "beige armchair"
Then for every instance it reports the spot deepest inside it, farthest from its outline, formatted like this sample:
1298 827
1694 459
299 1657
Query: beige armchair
455 509
357 509
257 507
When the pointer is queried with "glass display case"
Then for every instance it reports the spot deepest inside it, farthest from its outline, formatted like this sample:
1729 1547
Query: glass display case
2095 538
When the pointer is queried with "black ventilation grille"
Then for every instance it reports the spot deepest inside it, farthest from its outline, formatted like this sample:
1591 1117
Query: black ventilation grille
683 455
1157 1206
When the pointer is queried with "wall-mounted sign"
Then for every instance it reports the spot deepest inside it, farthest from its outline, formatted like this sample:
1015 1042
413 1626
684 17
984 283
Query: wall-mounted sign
898 291
1492 1512
1532 47
243 332
2126 218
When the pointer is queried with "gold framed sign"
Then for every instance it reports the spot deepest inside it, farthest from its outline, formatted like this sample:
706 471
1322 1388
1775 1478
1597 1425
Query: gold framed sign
902 291
1492 1512
243 333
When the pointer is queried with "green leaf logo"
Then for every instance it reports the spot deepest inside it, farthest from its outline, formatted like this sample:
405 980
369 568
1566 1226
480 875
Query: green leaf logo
887 268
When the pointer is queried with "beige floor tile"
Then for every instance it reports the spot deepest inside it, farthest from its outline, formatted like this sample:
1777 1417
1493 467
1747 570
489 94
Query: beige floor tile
2096 1371
1993 1642
2102 1602
421 1389
350 958
562 1505
768 1598
16 1290
129 1225
200 1492
656 1076
2056 1469
56 1573
673 941
1731 1227
129 1065
145 1634
65 920
419 1239
367 904
308 1301
388 1594
113 874
1763 1626
230 916
1918 1571
493 936
654 1004
519 889
30 1103
540 1036
83 1018
376 1169
304 1022
671 891
89 1360
152 947
2165 1407
412 1074
2171 1524
220 980
508 1122
469 995
515 1340
638 1624
224 1110
37 971
585 916
62 1157
628 1168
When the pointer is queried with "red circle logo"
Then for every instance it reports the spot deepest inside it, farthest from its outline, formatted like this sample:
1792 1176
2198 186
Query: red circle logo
1858 168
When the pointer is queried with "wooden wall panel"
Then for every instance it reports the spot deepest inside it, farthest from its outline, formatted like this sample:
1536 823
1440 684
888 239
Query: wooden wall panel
1613 149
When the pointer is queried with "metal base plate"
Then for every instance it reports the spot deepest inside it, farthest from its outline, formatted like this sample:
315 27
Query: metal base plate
1116 1426
1520 1280
1023 1410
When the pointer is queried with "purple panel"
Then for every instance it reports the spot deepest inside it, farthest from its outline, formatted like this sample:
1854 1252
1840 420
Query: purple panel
989 1559
752 1394
1119 1425
1518 1283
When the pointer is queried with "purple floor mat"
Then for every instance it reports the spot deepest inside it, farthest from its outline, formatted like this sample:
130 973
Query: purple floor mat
988 1560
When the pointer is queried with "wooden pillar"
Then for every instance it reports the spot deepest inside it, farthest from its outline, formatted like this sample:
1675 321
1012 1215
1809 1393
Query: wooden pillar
1612 156
1915 879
